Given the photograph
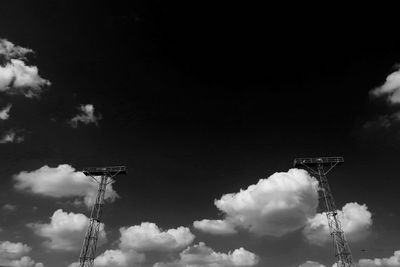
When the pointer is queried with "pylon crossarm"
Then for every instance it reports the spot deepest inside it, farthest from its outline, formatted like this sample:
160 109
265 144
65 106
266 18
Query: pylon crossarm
333 165
113 175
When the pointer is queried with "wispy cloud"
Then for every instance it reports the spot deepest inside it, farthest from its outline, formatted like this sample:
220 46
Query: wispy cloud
221 227
11 136
85 116
4 112
9 207
201 255
15 76
390 89
311 264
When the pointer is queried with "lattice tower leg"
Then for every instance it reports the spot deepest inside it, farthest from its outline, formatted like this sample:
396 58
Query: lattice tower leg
86 258
341 247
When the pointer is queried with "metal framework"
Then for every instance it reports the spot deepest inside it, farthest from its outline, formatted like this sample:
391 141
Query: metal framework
103 176
316 167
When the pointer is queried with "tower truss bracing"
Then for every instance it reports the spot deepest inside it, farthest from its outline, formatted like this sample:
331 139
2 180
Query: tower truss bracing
103 176
315 166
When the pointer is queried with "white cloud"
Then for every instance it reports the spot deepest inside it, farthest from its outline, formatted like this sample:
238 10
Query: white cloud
13 255
61 182
355 219
11 136
25 261
8 50
311 264
12 250
18 78
214 226
65 231
390 89
393 261
149 237
119 258
274 206
9 207
86 116
202 256
15 76
4 112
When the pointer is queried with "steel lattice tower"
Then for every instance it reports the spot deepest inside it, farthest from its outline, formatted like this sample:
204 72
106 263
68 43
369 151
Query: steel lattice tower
103 176
316 167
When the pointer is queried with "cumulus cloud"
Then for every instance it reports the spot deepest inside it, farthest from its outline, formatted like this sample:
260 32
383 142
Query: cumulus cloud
202 256
311 264
14 255
355 219
86 116
60 182
65 231
12 250
15 76
4 112
214 226
139 239
274 206
11 136
390 89
119 258
149 237
393 261
8 50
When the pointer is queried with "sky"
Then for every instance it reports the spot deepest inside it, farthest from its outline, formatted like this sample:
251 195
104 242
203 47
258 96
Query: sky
207 105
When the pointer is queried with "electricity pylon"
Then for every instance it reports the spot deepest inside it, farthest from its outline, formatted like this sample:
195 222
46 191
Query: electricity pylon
103 176
316 167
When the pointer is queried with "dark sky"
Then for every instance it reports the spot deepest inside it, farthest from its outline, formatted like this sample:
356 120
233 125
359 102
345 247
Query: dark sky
200 99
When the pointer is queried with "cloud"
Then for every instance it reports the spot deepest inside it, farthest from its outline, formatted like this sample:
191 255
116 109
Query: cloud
60 182
202 256
65 231
221 227
119 258
9 207
274 206
86 116
13 255
311 264
15 76
8 50
12 250
146 237
149 237
355 219
18 78
390 89
4 112
11 136
393 261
